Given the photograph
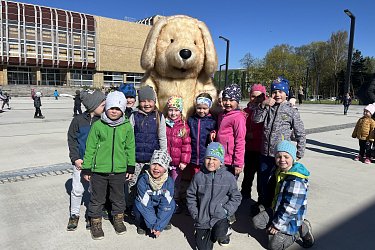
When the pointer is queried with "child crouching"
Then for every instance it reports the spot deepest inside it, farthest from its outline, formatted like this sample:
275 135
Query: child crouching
212 198
154 204
286 223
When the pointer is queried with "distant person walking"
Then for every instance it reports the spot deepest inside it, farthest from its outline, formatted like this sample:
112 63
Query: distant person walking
5 97
346 101
77 104
300 95
56 94
37 105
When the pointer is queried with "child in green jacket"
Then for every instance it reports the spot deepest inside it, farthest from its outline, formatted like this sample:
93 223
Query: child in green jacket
109 160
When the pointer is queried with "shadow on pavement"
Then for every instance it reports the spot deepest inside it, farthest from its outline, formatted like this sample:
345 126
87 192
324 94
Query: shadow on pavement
186 225
341 151
243 225
354 233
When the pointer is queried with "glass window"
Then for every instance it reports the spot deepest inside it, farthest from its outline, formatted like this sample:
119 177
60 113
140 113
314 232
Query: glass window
46 36
76 39
47 52
90 41
30 33
13 32
134 78
19 75
113 79
91 56
13 50
30 51
81 78
77 55
62 37
63 54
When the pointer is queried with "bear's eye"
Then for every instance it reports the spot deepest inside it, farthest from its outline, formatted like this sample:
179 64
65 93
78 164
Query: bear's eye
172 40
195 42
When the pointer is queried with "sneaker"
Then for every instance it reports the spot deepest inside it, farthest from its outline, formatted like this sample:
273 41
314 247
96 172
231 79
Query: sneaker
357 158
73 223
129 212
308 240
168 226
225 242
367 161
118 224
96 229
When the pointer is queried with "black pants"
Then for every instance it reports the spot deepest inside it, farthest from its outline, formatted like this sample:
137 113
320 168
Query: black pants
205 238
364 148
346 107
300 98
38 112
77 109
252 164
267 180
99 185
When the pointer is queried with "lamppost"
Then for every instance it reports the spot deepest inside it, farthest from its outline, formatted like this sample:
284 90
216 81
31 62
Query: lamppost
350 51
221 65
306 82
226 59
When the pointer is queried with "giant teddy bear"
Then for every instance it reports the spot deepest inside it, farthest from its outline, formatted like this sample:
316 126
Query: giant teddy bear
179 58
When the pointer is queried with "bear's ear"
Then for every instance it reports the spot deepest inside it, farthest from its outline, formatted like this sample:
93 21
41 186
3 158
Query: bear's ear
149 49
210 60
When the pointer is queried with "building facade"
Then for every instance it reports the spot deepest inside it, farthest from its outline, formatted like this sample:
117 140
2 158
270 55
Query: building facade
48 46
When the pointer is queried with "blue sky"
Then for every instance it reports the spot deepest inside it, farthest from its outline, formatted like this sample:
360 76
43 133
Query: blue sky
251 25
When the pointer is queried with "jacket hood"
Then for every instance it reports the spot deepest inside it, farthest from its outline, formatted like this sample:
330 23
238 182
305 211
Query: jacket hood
299 170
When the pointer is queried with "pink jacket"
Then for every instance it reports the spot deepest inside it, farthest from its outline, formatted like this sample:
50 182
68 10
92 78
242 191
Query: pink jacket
254 131
231 134
179 148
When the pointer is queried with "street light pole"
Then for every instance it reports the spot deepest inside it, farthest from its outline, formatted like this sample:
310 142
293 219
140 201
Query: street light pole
226 59
221 65
350 51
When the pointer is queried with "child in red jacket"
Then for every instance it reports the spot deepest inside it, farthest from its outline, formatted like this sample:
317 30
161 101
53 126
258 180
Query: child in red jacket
178 145
254 134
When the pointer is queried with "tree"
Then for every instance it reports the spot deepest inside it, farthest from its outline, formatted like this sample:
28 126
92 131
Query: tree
247 61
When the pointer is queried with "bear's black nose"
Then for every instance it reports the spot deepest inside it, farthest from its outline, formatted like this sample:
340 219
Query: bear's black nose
185 53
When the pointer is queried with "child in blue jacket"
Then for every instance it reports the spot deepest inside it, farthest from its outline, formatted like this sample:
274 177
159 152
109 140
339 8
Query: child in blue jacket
286 222
154 204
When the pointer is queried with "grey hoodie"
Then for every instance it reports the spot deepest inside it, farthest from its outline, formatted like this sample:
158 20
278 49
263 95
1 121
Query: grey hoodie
212 196
280 122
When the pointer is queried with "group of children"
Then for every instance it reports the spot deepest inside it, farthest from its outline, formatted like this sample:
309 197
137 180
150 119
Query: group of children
153 156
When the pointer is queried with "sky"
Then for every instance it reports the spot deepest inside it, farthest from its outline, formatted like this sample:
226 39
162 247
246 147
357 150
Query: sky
251 25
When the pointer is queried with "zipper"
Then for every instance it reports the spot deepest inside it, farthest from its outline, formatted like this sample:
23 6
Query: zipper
212 192
269 137
199 141
113 148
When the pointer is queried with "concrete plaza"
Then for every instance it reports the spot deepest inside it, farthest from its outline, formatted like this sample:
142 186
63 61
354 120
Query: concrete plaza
35 186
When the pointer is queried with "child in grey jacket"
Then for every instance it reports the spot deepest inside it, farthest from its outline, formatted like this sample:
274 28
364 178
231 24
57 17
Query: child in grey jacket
212 198
281 121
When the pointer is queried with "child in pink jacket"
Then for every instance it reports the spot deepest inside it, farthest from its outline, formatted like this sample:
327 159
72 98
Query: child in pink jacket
178 145
232 129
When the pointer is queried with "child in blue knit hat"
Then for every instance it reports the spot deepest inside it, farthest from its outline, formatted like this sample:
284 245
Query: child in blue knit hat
130 94
212 198
281 122
285 222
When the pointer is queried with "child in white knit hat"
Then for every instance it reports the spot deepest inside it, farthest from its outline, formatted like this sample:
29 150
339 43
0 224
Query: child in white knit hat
154 204
364 132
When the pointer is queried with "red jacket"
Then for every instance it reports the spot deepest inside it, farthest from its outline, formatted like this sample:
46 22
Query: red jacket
179 147
254 131
231 134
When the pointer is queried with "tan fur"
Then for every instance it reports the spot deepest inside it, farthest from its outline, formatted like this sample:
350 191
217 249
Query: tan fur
167 72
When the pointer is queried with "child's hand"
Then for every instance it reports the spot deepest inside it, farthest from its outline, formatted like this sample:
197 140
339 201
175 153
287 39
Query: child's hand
182 166
238 170
128 176
87 177
213 136
78 164
156 233
269 102
272 230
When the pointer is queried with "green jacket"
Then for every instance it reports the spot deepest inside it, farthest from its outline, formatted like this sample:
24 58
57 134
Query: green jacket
110 149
